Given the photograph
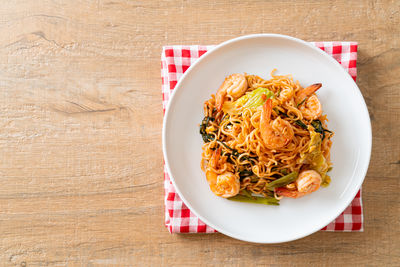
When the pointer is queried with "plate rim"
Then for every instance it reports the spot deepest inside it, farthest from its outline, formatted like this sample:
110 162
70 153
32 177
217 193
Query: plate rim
214 50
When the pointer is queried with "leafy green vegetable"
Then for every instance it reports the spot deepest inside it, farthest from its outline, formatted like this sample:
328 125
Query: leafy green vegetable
317 124
256 97
318 127
254 199
285 180
229 158
250 100
235 153
245 193
301 124
281 113
284 171
249 157
203 126
248 174
313 156
270 193
298 122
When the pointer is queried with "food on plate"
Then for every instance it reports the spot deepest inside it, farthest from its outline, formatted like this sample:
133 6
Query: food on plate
265 139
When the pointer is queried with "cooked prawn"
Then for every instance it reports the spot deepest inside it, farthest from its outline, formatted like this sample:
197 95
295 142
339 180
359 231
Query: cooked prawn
308 181
224 185
311 108
275 134
233 87
306 92
308 102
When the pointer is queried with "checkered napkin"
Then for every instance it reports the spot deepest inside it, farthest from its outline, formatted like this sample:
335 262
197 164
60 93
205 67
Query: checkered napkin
175 60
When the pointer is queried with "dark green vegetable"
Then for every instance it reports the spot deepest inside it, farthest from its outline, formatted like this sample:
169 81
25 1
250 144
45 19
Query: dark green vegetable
276 176
284 171
204 124
208 137
235 153
280 113
229 155
270 193
317 124
249 157
225 115
298 122
245 193
287 179
318 127
301 124
253 199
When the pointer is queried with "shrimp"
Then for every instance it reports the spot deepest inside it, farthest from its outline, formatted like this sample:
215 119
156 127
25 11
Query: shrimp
310 106
308 181
234 86
306 92
275 134
224 185
311 109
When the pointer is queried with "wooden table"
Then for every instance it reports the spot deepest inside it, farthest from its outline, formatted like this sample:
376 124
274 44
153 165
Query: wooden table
80 138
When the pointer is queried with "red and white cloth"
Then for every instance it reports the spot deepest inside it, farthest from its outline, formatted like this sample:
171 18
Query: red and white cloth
175 60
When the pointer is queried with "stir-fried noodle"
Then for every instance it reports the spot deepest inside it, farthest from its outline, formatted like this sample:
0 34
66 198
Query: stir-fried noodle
265 137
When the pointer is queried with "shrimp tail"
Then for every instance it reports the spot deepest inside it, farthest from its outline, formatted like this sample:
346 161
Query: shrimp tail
219 99
284 192
267 108
313 88
306 92
215 158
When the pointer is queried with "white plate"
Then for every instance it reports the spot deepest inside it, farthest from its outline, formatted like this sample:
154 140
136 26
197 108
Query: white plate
341 101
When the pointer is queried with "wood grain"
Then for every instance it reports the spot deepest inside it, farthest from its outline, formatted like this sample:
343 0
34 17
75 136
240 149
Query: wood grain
80 137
